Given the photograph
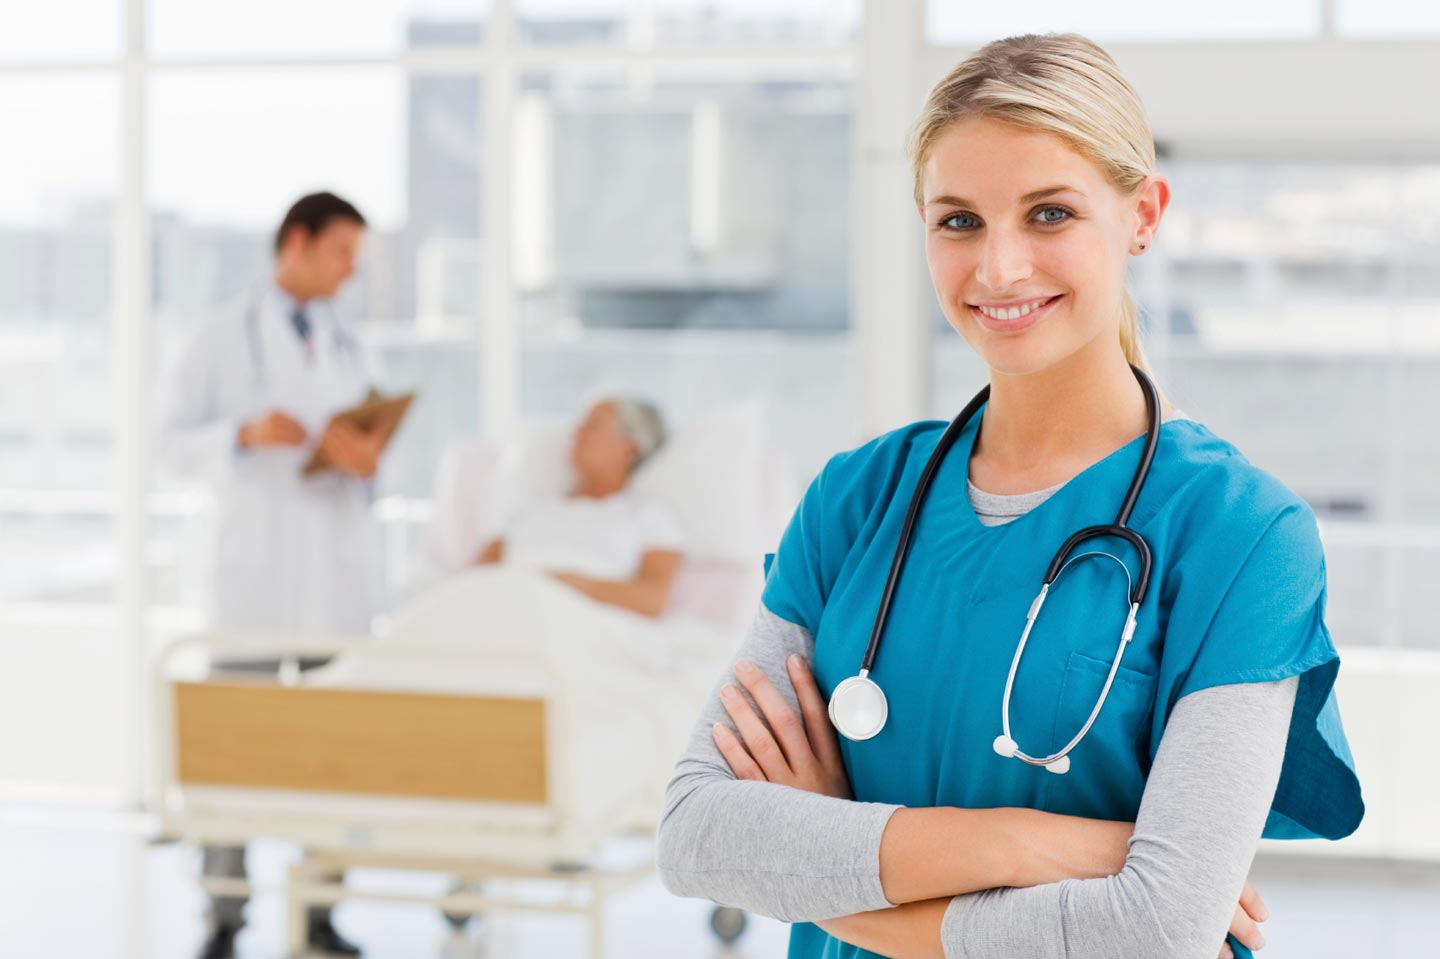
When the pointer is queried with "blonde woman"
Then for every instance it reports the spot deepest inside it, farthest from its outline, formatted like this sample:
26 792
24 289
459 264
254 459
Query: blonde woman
1026 786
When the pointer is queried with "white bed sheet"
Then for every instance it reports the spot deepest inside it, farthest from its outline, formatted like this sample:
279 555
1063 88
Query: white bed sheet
627 688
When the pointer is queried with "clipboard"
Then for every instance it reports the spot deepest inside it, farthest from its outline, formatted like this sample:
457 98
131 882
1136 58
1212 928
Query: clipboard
374 412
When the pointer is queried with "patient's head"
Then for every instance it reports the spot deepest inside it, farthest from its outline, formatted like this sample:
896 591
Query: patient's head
615 437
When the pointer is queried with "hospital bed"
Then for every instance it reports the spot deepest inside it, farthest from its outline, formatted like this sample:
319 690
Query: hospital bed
511 770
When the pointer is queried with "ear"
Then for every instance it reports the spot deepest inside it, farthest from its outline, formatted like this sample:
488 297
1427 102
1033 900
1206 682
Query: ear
297 239
1151 201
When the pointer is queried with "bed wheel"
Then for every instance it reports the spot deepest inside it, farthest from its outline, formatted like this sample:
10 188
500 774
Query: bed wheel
728 923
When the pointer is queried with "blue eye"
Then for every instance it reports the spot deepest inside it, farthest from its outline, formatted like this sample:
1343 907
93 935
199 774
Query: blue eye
1047 219
949 222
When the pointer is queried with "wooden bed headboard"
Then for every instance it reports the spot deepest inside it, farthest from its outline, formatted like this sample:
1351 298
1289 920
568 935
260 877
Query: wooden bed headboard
356 741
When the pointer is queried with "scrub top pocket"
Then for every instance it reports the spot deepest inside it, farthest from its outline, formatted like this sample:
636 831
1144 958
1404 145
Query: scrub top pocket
1115 754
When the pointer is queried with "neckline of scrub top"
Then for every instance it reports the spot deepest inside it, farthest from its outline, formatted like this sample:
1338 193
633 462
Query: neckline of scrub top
966 445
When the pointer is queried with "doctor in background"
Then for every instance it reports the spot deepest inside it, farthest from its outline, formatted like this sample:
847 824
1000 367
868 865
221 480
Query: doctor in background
244 408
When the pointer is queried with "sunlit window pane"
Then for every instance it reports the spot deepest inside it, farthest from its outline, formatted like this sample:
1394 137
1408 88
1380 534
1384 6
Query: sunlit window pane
1386 18
742 21
58 561
56 206
948 21
61 30
685 21
197 28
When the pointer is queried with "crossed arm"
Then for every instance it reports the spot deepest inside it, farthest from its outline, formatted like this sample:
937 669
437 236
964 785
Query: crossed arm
933 882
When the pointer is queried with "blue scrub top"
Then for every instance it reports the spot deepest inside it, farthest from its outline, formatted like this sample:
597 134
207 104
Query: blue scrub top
1237 595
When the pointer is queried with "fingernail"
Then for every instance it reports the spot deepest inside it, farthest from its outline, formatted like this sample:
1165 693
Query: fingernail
795 661
1262 941
743 666
1227 953
715 729
728 691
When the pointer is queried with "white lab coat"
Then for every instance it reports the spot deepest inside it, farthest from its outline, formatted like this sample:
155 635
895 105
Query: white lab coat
289 553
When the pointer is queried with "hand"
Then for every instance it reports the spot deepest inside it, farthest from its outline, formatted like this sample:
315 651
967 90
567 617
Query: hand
1243 926
493 552
348 449
273 429
801 752
574 580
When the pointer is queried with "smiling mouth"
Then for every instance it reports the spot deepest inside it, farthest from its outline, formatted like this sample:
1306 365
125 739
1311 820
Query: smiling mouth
1015 312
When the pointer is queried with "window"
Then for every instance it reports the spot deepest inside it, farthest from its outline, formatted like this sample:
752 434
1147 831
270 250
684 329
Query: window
1386 18
217 28
730 192
61 31
970 22
593 22
58 562
56 459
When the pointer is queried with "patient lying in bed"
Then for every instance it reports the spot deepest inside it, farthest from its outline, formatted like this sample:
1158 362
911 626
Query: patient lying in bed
601 538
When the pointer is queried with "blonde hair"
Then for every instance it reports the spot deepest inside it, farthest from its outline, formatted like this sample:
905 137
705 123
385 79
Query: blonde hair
1061 84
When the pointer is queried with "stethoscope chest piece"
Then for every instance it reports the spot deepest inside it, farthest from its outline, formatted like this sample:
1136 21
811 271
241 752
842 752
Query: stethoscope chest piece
858 708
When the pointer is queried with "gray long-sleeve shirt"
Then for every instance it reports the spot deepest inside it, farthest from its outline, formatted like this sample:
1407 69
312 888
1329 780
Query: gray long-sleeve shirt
799 857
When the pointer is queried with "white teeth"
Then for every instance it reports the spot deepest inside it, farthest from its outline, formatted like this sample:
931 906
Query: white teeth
1011 313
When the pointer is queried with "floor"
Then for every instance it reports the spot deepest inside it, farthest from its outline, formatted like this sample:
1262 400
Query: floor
87 885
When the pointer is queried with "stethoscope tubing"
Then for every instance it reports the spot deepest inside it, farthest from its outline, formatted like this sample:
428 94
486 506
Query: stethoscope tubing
1135 592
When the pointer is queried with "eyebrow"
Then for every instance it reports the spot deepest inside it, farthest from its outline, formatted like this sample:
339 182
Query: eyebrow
1027 198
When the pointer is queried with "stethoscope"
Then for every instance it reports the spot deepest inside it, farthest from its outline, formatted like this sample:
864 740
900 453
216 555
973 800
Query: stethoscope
344 342
858 708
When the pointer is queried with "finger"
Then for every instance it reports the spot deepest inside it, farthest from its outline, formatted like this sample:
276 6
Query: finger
784 721
813 710
1226 952
762 746
284 426
740 762
1243 928
1251 902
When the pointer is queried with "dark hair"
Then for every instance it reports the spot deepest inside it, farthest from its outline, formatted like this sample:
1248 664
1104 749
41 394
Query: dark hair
314 213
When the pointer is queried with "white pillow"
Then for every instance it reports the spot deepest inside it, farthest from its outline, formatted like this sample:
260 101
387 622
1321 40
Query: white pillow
535 463
709 475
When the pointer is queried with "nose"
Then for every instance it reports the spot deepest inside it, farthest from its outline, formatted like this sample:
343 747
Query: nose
1004 261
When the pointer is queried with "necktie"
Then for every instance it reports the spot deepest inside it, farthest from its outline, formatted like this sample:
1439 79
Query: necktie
301 322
